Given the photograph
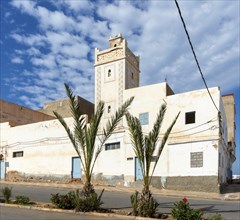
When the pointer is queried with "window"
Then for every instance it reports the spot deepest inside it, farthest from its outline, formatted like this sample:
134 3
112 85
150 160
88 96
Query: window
132 75
18 154
143 118
109 73
112 146
189 117
196 159
109 109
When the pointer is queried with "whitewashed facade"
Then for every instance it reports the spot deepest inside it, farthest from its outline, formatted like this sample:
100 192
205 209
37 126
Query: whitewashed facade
196 155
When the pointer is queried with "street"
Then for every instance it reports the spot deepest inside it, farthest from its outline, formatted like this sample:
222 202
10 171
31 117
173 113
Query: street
119 200
10 213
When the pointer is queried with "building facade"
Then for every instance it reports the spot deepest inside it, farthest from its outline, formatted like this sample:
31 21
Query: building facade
196 157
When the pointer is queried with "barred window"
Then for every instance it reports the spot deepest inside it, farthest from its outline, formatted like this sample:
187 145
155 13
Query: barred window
112 146
196 159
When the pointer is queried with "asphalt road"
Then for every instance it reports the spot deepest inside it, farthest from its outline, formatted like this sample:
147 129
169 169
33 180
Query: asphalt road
118 200
10 213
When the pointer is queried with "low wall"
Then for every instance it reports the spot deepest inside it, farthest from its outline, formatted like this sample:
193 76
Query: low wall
188 183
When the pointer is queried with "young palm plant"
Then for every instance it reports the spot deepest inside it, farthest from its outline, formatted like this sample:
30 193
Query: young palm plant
83 136
144 148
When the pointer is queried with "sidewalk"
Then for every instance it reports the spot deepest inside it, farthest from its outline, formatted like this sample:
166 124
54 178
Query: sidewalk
232 196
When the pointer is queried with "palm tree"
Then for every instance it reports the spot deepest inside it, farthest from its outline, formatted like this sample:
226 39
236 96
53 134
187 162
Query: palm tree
144 148
83 136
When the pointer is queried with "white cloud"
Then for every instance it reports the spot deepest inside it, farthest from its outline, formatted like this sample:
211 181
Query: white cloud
47 61
17 60
79 6
61 49
30 40
54 20
25 6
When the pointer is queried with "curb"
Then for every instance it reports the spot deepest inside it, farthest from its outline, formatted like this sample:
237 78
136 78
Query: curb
110 215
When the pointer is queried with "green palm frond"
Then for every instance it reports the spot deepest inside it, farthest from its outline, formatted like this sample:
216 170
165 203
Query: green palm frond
70 135
79 120
74 105
153 135
137 139
83 136
163 142
145 146
115 119
111 126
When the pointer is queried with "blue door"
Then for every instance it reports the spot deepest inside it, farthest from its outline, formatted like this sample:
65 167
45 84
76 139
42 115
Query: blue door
76 168
2 170
138 171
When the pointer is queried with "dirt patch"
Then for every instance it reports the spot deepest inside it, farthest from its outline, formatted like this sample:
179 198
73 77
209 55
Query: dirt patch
15 176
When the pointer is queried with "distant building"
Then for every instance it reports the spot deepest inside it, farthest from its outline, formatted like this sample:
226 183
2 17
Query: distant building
62 107
230 110
198 155
17 115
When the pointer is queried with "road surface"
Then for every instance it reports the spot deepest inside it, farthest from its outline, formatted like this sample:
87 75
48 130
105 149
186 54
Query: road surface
119 200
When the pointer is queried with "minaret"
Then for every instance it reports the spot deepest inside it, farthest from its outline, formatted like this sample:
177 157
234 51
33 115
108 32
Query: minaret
116 69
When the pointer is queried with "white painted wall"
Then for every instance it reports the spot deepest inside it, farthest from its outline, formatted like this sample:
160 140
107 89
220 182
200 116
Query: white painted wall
44 155
46 149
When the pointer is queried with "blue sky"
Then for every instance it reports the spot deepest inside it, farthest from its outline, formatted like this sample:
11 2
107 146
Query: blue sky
46 43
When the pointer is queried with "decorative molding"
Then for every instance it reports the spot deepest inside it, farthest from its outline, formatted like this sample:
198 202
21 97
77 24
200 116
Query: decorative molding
98 95
109 56
120 86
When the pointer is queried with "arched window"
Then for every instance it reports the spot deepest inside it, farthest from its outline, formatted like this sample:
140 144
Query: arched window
132 75
115 45
109 73
109 109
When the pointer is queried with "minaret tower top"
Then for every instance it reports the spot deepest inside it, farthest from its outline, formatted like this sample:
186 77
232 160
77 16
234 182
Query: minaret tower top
117 41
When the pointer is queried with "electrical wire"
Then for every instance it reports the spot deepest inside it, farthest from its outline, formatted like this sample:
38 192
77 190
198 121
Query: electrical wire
197 132
199 68
212 120
37 141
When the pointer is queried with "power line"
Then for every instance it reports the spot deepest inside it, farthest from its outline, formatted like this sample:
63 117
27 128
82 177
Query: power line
212 120
181 131
37 141
197 132
199 68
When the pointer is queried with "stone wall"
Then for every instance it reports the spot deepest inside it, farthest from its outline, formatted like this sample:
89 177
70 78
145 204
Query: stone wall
188 183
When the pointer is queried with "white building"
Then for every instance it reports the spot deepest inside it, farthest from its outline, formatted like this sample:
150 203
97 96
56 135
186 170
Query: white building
196 156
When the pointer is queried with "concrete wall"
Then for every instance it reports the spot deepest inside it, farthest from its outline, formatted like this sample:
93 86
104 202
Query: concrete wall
19 115
47 151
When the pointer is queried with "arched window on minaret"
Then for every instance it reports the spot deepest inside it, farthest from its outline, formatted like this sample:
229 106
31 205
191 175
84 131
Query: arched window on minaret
109 109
